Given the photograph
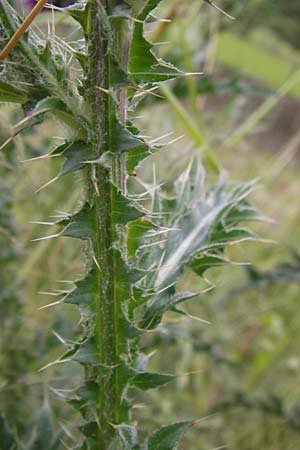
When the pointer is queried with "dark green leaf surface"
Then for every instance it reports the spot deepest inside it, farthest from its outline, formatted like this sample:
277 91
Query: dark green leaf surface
144 67
10 93
128 437
167 437
148 380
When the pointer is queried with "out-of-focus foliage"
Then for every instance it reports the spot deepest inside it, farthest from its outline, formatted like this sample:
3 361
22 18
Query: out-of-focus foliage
281 17
14 352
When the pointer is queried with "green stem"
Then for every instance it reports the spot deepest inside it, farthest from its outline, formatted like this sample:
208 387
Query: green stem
108 334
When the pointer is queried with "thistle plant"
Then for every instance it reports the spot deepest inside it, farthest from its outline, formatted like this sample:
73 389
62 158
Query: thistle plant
137 245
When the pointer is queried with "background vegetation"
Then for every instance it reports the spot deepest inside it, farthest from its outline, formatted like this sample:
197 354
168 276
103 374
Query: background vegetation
239 373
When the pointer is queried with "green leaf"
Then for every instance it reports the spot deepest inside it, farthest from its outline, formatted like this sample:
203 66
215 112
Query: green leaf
128 436
167 437
89 393
55 63
144 67
200 221
118 77
10 93
122 140
235 234
39 71
206 261
123 210
76 153
85 293
79 13
165 301
136 232
54 105
87 354
80 225
150 380
90 430
136 156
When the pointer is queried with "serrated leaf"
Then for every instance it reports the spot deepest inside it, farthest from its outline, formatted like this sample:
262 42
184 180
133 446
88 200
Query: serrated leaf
90 430
128 436
58 108
87 354
165 301
136 232
201 224
135 157
167 437
235 234
150 380
137 154
89 392
80 225
76 153
144 67
54 63
118 77
123 210
79 13
84 294
200 264
122 140
39 77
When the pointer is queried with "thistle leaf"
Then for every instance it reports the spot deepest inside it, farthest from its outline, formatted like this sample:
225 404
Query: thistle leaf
167 437
45 72
166 301
84 294
128 437
144 67
206 261
75 153
136 232
124 210
80 225
11 94
135 157
60 110
87 353
122 139
150 380
79 13
207 221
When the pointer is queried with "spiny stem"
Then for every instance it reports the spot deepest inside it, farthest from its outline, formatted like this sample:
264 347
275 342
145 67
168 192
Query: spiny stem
107 334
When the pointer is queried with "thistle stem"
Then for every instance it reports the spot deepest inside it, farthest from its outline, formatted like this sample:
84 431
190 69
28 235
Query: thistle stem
108 335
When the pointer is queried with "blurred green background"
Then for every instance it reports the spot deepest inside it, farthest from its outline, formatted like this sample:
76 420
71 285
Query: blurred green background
239 374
